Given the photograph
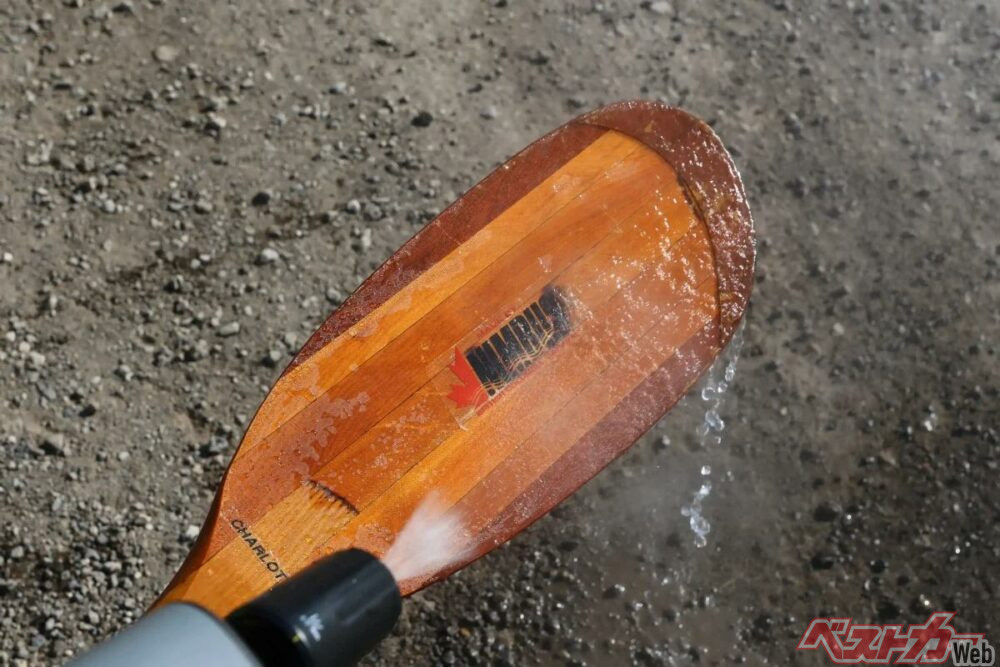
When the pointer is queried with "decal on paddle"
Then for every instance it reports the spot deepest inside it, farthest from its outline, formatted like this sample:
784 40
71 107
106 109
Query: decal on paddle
484 370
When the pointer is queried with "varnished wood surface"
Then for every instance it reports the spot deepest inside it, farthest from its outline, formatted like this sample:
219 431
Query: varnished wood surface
623 238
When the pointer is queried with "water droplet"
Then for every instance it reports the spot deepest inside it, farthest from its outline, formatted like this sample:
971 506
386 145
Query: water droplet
930 422
699 524
709 432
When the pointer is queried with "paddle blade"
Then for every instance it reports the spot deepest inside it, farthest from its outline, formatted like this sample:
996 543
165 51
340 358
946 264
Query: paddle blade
501 358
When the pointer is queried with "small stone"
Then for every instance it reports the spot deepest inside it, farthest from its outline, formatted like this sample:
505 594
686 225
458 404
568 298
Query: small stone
36 359
334 296
215 123
920 604
55 445
798 187
124 372
64 163
262 198
422 119
489 113
191 532
7 258
661 8
124 456
826 512
339 88
41 156
838 329
822 561
272 358
540 57
888 457
213 447
373 212
203 206
229 329
793 125
165 53
199 350
17 553
353 207
214 103
615 591
268 256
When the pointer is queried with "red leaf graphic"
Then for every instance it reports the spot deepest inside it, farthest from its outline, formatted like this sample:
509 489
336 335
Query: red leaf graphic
471 392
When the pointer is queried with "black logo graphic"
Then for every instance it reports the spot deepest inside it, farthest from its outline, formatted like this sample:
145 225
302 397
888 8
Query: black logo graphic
517 344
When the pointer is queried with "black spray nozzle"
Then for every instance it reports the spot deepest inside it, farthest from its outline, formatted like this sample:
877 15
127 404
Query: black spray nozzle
331 613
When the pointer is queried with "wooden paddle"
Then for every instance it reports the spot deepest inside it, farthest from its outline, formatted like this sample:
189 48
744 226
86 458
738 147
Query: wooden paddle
501 358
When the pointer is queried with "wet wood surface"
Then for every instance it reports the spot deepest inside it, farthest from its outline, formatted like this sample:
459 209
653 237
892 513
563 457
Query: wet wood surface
501 358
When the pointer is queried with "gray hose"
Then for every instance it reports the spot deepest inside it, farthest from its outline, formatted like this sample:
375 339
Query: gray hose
178 634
